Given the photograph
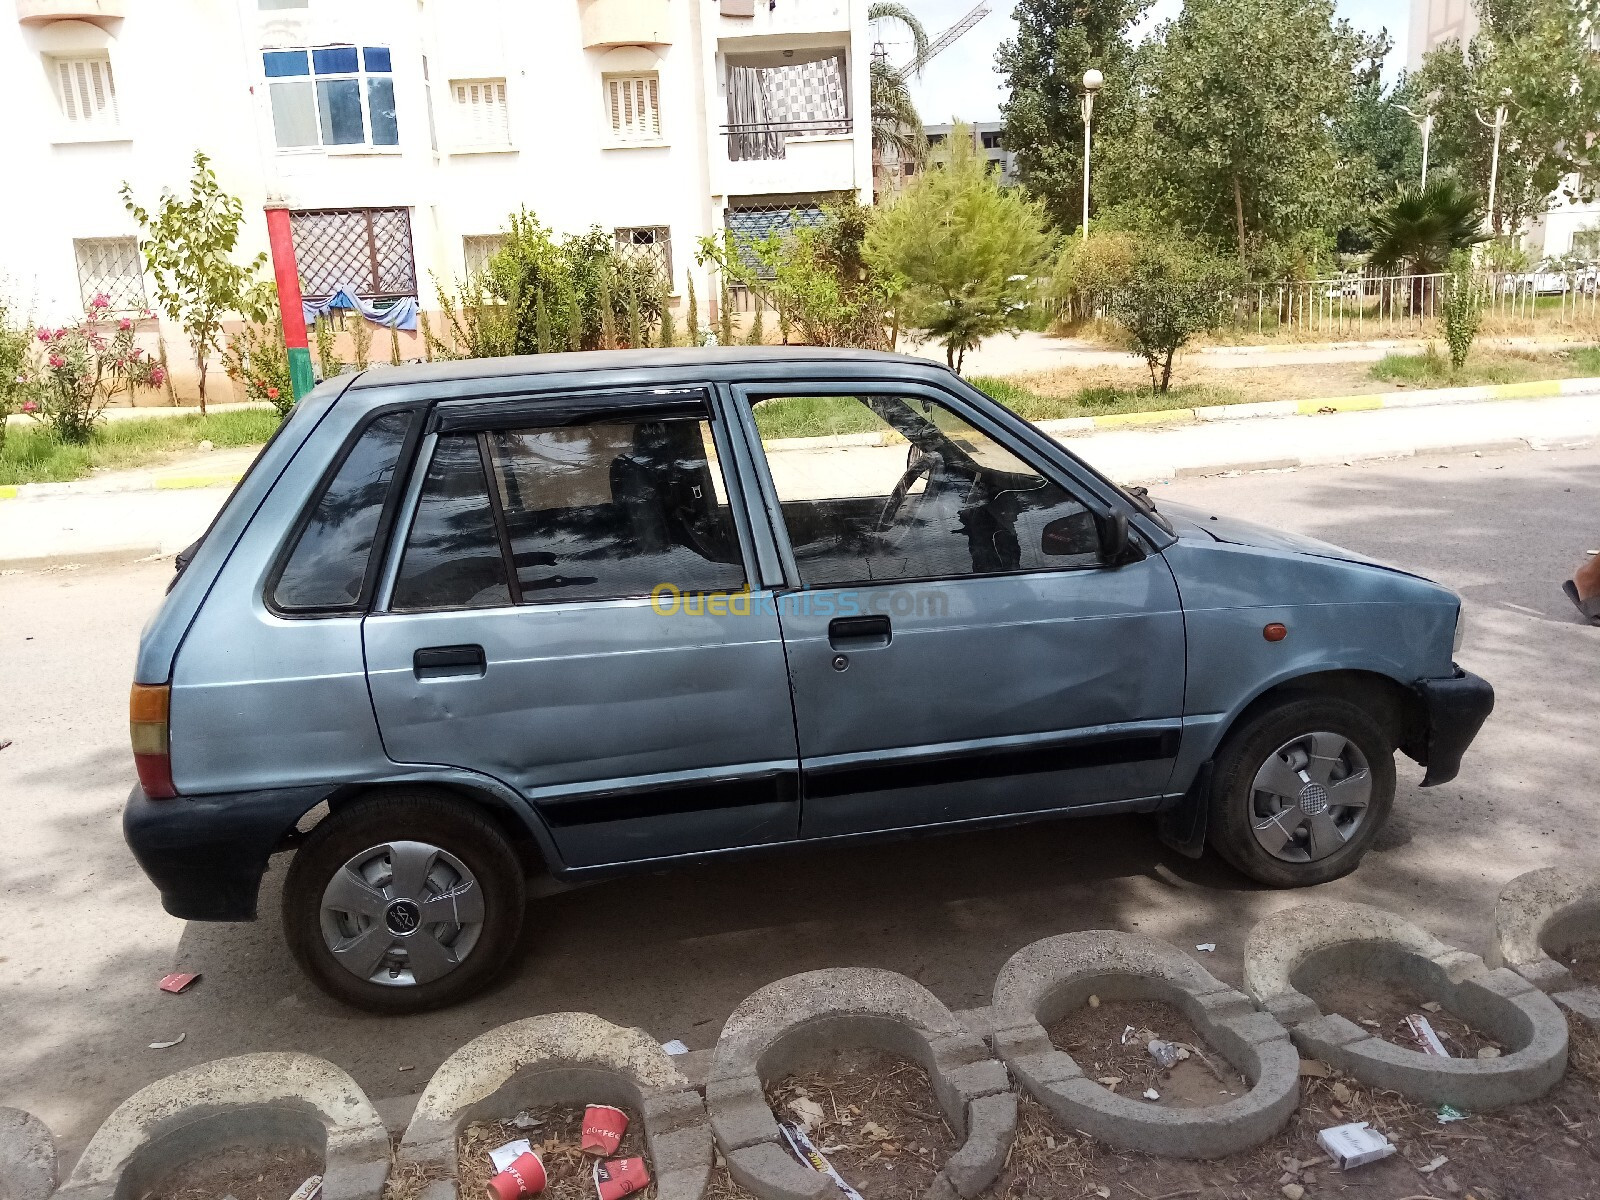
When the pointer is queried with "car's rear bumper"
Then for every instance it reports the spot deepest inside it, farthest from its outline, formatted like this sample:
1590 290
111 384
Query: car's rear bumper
1456 708
207 854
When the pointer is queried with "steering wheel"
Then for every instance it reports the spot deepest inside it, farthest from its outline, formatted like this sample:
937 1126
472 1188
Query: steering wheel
918 464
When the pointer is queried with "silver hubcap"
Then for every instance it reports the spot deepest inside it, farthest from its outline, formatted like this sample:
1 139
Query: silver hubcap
1310 796
402 914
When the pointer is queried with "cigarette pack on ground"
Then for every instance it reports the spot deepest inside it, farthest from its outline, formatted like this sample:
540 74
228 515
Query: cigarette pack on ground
309 1190
603 1127
524 1177
806 1151
177 982
1422 1031
1355 1145
620 1177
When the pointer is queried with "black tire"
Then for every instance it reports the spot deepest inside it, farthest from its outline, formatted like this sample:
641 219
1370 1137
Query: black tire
452 825
1231 828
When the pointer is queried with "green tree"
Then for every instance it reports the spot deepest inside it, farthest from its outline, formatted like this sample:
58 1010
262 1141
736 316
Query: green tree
1463 308
896 126
1176 289
1380 147
1535 57
960 251
188 247
1236 137
1056 42
1419 230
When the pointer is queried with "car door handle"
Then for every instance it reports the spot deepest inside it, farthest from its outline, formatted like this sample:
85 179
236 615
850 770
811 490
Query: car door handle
858 633
443 662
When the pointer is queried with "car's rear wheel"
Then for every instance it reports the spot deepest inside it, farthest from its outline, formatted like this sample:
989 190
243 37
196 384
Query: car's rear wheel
1300 790
403 901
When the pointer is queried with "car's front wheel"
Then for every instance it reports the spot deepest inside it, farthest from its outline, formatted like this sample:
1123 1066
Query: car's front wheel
403 901
1300 790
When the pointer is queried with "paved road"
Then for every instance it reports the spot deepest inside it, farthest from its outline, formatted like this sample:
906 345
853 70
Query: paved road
83 940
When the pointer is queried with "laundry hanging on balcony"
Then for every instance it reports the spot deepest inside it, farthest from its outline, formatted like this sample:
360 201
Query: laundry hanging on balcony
402 314
772 97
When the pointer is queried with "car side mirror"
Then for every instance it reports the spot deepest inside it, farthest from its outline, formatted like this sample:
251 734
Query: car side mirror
1113 530
1071 536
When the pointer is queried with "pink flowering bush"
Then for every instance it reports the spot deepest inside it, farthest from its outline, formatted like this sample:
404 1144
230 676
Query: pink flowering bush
18 380
85 367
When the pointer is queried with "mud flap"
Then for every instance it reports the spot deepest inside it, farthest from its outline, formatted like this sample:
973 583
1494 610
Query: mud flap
1183 826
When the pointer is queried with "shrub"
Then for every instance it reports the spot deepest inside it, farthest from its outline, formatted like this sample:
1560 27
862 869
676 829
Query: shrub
255 358
1177 289
86 366
1462 311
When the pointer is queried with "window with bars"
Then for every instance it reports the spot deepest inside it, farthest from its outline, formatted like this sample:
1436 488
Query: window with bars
332 96
478 248
648 243
367 250
110 267
480 110
87 93
633 107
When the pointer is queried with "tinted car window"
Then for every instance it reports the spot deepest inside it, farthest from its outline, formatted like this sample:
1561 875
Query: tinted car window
614 509
452 556
329 561
935 498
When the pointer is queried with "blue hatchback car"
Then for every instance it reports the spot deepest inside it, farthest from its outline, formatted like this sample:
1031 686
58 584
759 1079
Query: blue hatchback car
467 623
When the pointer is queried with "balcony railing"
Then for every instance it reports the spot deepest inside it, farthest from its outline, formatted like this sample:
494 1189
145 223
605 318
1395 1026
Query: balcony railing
40 11
769 139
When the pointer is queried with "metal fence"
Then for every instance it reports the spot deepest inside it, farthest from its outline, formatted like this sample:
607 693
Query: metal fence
1362 305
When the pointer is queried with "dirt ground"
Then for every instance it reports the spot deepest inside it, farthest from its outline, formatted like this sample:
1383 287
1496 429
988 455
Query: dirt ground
556 1139
1383 1007
1110 1039
242 1172
875 1118
1582 959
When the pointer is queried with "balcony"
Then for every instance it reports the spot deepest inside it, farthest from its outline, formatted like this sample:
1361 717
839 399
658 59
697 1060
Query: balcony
38 12
738 19
609 23
793 157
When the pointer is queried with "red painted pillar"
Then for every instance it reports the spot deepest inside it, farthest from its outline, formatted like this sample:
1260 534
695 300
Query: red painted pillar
286 272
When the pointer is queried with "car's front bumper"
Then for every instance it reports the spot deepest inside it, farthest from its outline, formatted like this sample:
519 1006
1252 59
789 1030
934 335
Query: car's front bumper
207 854
1455 708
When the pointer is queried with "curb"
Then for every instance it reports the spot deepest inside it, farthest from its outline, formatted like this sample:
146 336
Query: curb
1301 947
562 1058
1337 404
1044 981
27 1156
1548 907
277 1097
779 1027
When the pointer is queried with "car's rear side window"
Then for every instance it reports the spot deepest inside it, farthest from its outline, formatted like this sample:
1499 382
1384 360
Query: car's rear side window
328 565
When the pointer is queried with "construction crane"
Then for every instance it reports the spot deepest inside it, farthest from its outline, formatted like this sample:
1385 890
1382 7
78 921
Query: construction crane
945 40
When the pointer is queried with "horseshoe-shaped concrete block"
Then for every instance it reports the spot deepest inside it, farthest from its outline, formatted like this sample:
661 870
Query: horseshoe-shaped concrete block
1541 909
785 1023
562 1058
27 1156
1291 952
1045 980
266 1098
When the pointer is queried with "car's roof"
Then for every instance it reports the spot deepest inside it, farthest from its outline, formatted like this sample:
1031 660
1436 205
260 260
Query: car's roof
715 361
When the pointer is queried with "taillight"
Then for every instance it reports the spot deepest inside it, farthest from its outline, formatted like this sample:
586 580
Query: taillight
147 729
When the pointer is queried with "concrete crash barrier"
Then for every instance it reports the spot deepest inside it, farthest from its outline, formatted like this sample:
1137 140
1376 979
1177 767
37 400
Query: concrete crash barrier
1544 910
27 1156
779 1028
256 1099
568 1059
1044 981
1292 953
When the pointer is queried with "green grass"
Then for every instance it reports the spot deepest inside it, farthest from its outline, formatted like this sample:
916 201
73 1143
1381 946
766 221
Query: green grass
1587 360
1101 401
1432 368
32 454
814 416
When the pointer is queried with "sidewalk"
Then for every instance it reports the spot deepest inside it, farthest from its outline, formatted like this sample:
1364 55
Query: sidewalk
134 514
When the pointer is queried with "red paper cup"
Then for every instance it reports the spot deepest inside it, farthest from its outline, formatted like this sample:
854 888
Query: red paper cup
603 1127
620 1177
524 1177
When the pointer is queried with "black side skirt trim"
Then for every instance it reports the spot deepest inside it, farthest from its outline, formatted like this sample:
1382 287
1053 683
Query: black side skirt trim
665 800
964 766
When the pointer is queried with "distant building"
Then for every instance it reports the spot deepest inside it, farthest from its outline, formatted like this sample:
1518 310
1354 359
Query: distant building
986 139
1564 228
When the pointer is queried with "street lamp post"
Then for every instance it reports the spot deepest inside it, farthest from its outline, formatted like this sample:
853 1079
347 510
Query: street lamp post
1093 81
1498 124
1425 124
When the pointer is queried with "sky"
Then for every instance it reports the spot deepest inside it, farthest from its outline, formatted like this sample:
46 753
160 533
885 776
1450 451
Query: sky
961 82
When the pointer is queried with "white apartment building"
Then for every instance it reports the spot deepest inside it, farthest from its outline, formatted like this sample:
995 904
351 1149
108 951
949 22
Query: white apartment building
1564 228
401 133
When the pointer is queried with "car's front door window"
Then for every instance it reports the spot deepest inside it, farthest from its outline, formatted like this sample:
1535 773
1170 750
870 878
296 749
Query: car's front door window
915 491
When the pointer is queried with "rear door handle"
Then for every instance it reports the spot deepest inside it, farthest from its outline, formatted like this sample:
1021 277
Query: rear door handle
858 633
444 662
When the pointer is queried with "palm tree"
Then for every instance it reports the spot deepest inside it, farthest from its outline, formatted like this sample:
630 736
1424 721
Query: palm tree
896 127
1420 230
